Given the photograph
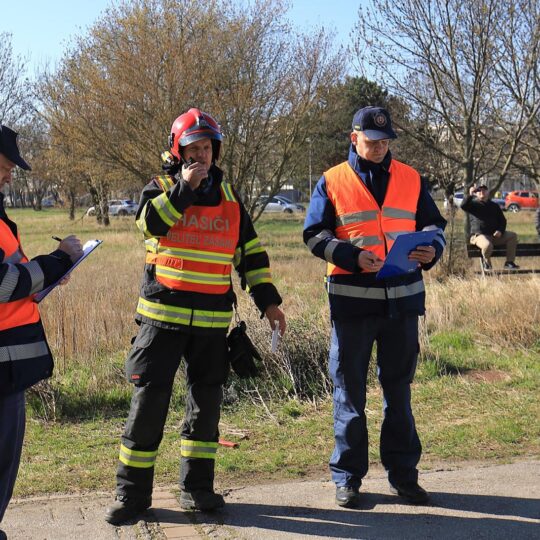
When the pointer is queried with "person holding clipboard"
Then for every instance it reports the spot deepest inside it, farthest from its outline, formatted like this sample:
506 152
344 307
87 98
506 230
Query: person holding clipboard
357 211
25 357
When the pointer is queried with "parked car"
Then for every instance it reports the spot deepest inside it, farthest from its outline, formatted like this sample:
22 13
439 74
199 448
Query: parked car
521 200
117 207
279 204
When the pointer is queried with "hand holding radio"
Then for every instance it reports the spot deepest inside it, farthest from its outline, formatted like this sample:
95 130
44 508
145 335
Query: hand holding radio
194 173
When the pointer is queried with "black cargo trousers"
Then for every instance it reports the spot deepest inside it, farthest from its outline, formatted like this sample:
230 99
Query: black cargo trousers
151 366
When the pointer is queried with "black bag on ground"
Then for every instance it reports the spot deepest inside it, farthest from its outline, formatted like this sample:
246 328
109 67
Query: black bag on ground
242 352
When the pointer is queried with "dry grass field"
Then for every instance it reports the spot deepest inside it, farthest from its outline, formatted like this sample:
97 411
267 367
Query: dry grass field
475 392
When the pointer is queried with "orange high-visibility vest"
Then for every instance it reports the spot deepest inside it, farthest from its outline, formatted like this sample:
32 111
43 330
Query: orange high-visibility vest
197 253
18 312
360 220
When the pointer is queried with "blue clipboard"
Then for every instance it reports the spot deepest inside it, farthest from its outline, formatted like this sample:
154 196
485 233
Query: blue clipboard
88 248
397 261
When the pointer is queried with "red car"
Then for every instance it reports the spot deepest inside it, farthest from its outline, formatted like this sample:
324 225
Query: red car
521 200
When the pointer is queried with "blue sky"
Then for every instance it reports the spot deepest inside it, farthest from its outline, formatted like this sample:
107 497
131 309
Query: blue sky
41 29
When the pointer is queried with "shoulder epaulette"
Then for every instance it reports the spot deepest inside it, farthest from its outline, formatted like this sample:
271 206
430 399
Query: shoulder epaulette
165 181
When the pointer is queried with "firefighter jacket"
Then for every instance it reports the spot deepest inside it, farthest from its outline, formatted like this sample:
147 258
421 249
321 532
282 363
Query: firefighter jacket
193 239
361 205
25 357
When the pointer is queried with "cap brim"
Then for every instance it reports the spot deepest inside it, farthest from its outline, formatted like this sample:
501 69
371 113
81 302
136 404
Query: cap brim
22 164
375 135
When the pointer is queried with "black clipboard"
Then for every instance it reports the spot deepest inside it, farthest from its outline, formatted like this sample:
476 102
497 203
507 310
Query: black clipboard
88 248
397 261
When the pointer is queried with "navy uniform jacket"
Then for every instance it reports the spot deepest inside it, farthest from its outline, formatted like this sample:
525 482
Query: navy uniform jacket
360 294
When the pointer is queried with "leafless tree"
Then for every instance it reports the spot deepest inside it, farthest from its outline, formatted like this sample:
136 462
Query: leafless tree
468 70
119 88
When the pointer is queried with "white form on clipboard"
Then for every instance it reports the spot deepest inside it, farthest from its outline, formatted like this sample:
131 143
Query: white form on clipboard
88 248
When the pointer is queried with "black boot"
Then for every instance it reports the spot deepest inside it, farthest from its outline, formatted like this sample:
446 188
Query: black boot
347 497
3 535
201 499
126 509
411 492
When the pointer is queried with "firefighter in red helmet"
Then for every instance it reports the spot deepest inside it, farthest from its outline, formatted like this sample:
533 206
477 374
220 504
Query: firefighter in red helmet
195 231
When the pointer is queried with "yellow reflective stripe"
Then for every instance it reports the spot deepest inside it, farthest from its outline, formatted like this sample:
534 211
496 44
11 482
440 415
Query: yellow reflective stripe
151 245
184 316
166 182
228 192
237 257
198 449
253 246
167 212
166 156
191 276
141 222
212 319
139 459
255 277
195 255
160 312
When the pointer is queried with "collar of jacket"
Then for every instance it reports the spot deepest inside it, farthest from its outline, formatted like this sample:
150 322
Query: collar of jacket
361 166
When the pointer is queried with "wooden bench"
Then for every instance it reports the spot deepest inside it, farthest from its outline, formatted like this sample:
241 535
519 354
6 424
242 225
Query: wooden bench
523 250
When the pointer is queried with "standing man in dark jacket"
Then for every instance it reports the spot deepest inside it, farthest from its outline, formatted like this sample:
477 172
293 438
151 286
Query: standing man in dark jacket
488 227
25 357
357 210
196 230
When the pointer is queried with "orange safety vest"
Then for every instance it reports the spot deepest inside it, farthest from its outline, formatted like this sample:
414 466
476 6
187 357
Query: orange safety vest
197 253
25 310
360 220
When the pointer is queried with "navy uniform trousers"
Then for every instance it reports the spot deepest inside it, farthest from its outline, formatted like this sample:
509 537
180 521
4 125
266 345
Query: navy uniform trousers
12 423
397 352
151 365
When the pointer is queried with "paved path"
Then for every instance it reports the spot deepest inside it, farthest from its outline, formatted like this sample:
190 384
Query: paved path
471 502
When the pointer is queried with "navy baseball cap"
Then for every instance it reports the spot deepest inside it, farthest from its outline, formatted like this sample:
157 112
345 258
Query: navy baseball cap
8 147
374 122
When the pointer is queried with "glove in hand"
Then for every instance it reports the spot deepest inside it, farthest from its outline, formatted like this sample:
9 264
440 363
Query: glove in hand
242 352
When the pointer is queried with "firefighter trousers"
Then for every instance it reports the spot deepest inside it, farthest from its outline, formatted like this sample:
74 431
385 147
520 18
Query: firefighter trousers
397 352
151 366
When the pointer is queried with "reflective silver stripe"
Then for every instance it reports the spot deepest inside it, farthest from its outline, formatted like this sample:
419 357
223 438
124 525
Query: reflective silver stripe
9 283
130 457
318 238
228 192
192 276
388 211
23 352
163 313
167 212
211 317
192 255
36 275
393 235
374 293
371 293
361 241
329 250
406 290
14 258
356 217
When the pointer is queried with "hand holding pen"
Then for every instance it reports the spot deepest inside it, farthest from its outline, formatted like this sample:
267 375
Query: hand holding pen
70 245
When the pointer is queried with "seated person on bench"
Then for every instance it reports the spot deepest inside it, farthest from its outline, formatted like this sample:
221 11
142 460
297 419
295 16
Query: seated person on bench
488 227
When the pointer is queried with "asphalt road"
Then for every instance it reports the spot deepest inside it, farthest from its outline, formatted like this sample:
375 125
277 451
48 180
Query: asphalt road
469 502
